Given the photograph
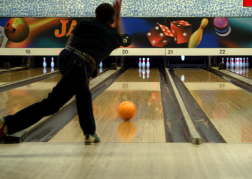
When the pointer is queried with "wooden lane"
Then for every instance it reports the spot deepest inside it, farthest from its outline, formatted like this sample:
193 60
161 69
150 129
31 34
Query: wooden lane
241 75
102 70
125 160
17 99
134 76
146 126
227 106
188 75
246 72
21 75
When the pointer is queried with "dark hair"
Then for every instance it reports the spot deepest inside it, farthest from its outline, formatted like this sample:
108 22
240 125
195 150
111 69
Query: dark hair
105 13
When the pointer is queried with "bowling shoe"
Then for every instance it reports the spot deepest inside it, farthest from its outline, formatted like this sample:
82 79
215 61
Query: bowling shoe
3 127
90 139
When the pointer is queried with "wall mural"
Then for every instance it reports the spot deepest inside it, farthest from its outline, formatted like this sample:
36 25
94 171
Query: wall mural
172 32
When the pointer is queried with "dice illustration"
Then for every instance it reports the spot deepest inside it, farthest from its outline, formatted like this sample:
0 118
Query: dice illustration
181 30
159 35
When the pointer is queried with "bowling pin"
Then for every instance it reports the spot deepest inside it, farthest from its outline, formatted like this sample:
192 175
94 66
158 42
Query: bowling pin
237 71
222 60
183 78
243 63
100 70
227 63
148 73
182 57
143 73
236 62
196 37
240 72
44 70
247 71
240 63
44 62
52 62
232 63
139 63
143 64
140 71
148 63
244 72
100 65
247 62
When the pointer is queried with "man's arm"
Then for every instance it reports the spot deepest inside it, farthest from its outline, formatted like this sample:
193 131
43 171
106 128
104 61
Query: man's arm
70 39
117 4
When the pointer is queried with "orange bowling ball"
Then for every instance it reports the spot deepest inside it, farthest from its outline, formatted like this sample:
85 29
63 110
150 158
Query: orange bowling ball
127 110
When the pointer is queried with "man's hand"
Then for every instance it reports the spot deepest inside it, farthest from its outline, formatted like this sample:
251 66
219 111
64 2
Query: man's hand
117 4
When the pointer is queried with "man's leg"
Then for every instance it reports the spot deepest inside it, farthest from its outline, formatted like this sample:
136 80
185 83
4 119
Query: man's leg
85 110
62 92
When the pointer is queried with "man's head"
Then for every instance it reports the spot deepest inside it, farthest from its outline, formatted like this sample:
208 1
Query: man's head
105 13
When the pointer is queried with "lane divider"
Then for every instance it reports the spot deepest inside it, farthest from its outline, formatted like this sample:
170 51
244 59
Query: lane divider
194 135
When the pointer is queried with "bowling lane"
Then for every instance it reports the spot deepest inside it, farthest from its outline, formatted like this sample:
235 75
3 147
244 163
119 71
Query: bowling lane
146 126
22 75
227 106
17 99
246 72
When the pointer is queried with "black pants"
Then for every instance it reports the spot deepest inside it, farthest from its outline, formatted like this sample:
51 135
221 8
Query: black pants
73 82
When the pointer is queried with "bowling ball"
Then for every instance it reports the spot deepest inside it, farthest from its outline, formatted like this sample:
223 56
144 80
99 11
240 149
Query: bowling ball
127 40
126 110
16 30
221 23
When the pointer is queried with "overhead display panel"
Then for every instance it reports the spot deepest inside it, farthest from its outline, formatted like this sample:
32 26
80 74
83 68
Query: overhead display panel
141 36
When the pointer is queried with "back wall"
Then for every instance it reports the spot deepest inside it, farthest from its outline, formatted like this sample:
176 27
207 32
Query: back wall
130 8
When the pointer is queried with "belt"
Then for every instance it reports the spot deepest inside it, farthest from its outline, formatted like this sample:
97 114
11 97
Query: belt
83 56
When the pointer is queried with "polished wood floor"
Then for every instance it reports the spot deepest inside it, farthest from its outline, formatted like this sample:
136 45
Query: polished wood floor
137 148
125 161
21 75
146 126
227 106
19 98
246 72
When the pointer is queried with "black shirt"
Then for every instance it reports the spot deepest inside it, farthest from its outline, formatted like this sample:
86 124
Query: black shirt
96 39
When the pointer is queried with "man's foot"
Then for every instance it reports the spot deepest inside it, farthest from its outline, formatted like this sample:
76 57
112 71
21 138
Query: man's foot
3 127
90 139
